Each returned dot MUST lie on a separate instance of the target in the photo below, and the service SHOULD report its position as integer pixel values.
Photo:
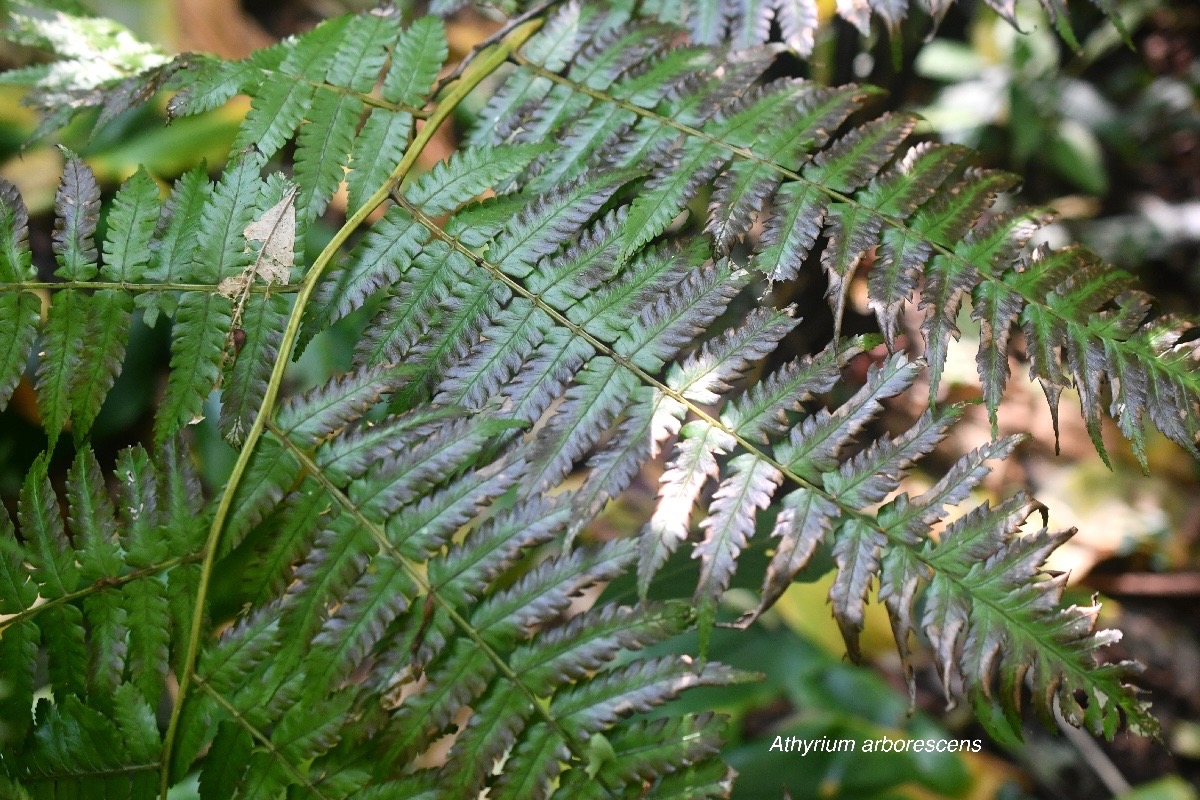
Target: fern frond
(929, 216)
(398, 563)
(372, 615)
(98, 605)
(19, 312)
(889, 545)
(747, 23)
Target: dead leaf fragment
(276, 229)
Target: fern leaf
(213, 82)
(416, 58)
(92, 520)
(694, 463)
(814, 445)
(797, 22)
(388, 251)
(742, 190)
(330, 407)
(663, 329)
(996, 308)
(471, 304)
(789, 236)
(390, 577)
(875, 473)
(204, 320)
(495, 546)
(570, 652)
(904, 188)
(275, 113)
(77, 210)
(467, 174)
(375, 151)
(323, 150)
(593, 708)
(394, 241)
(278, 107)
(609, 54)
(554, 45)
(546, 590)
(856, 553)
(665, 195)
(202, 325)
(221, 774)
(508, 343)
(748, 22)
(19, 645)
(263, 319)
(761, 411)
(227, 213)
(644, 750)
(54, 568)
(18, 658)
(18, 312)
(730, 522)
(149, 636)
(804, 521)
(350, 62)
(127, 253)
(900, 577)
(131, 222)
(602, 387)
(108, 621)
(104, 351)
(73, 733)
(175, 241)
(707, 374)
(239, 651)
(954, 611)
(66, 348)
(546, 225)
(635, 688)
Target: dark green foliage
(403, 547)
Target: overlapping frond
(980, 579)
(211, 255)
(387, 588)
(798, 24)
(95, 595)
(918, 218)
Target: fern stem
(98, 586)
(536, 11)
(368, 99)
(485, 65)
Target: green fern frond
(398, 558)
(114, 584)
(930, 216)
(19, 313)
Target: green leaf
(199, 336)
(416, 58)
(19, 316)
(77, 209)
(130, 226)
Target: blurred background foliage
(1107, 135)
